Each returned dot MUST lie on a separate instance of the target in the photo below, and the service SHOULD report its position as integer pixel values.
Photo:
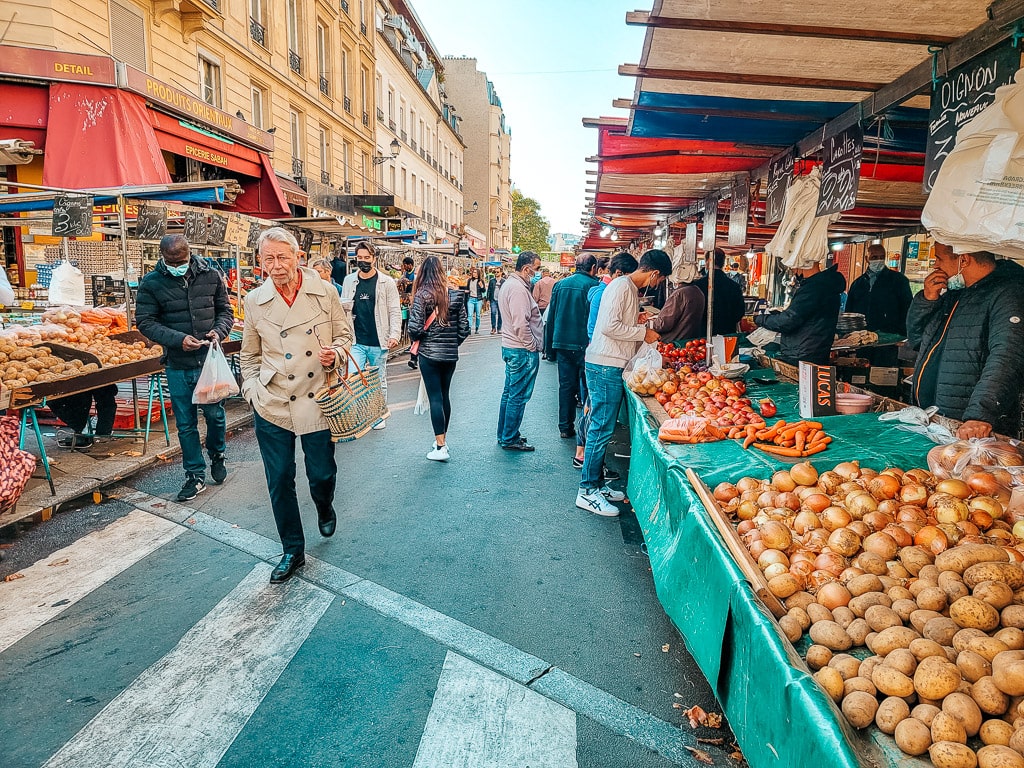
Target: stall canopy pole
(710, 259)
(124, 259)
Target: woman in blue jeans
(476, 290)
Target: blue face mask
(180, 270)
(956, 282)
(876, 266)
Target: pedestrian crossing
(494, 706)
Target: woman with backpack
(438, 324)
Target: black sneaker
(565, 434)
(192, 488)
(217, 469)
(522, 445)
(611, 474)
(78, 441)
(578, 463)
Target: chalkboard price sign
(218, 228)
(739, 210)
(840, 171)
(151, 222)
(959, 97)
(72, 216)
(195, 227)
(254, 236)
(780, 173)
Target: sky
(552, 62)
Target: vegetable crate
(125, 418)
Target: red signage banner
(567, 260)
(55, 65)
(167, 97)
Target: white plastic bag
(422, 401)
(216, 381)
(644, 374)
(801, 240)
(977, 201)
(67, 285)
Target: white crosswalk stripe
(46, 589)
(187, 709)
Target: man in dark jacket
(680, 317)
(882, 295)
(180, 303)
(566, 333)
(728, 299)
(967, 325)
(808, 324)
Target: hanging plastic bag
(976, 202)
(216, 381)
(422, 401)
(67, 285)
(644, 374)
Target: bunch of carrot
(796, 440)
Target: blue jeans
(181, 382)
(377, 357)
(474, 312)
(495, 315)
(605, 386)
(521, 368)
(277, 449)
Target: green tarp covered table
(778, 713)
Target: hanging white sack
(801, 240)
(977, 202)
(67, 285)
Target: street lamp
(474, 209)
(395, 149)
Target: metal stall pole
(710, 259)
(123, 227)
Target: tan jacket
(281, 369)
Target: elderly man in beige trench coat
(295, 333)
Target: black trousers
(73, 410)
(277, 447)
(437, 379)
(572, 384)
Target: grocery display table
(779, 714)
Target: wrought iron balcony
(325, 177)
(391, 124)
(380, 114)
(344, 5)
(257, 32)
(215, 4)
(295, 62)
(348, 187)
(297, 168)
(325, 86)
(348, 105)
(423, 152)
(405, 136)
(366, 118)
(413, 145)
(362, 27)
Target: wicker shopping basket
(352, 403)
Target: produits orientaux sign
(959, 97)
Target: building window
(295, 126)
(257, 24)
(391, 106)
(209, 82)
(259, 107)
(128, 34)
(344, 80)
(405, 185)
(323, 49)
(346, 161)
(364, 78)
(294, 47)
(391, 173)
(325, 155)
(366, 171)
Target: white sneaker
(611, 494)
(439, 453)
(596, 502)
(382, 424)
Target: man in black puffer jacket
(970, 341)
(182, 301)
(808, 325)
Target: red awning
(23, 112)
(99, 137)
(263, 197)
(293, 193)
(179, 139)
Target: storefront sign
(840, 171)
(780, 173)
(567, 260)
(708, 234)
(959, 97)
(739, 210)
(150, 222)
(55, 65)
(181, 103)
(72, 216)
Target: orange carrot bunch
(796, 440)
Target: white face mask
(876, 266)
(957, 282)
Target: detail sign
(959, 97)
(840, 171)
(780, 173)
(739, 210)
(56, 65)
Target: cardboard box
(817, 390)
(884, 377)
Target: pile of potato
(921, 573)
(34, 365)
(114, 352)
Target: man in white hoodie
(618, 333)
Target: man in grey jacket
(522, 337)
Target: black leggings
(437, 378)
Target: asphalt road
(464, 614)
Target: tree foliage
(530, 229)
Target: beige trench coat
(280, 363)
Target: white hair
(278, 235)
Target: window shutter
(128, 34)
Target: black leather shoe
(521, 446)
(327, 524)
(286, 568)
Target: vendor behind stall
(680, 318)
(808, 324)
(728, 300)
(967, 324)
(882, 295)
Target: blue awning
(210, 195)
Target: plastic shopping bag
(977, 200)
(216, 381)
(422, 401)
(67, 285)
(644, 373)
